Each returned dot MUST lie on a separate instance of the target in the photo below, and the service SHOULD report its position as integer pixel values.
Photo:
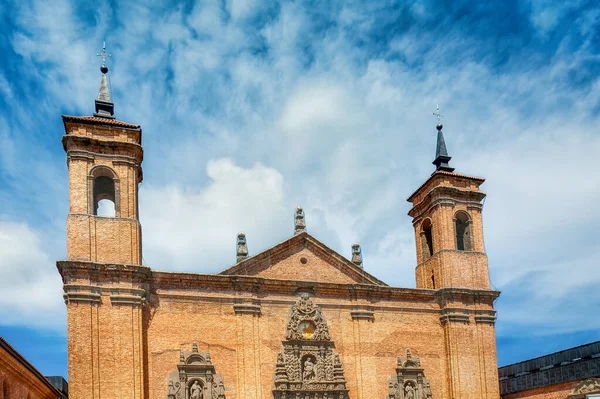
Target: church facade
(296, 321)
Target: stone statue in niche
(308, 366)
(196, 391)
(309, 370)
(409, 391)
(195, 377)
(409, 381)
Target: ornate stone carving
(585, 387)
(308, 366)
(195, 377)
(409, 381)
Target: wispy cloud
(250, 108)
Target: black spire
(441, 153)
(104, 107)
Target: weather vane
(103, 55)
(439, 115)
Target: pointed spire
(104, 107)
(242, 248)
(441, 153)
(357, 255)
(300, 224)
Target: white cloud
(195, 230)
(286, 115)
(30, 285)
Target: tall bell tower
(448, 226)
(451, 259)
(104, 156)
(104, 281)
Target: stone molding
(455, 315)
(447, 196)
(82, 293)
(362, 314)
(90, 156)
(485, 316)
(69, 140)
(251, 307)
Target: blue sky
(250, 108)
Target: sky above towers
(250, 108)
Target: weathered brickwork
(128, 325)
(19, 379)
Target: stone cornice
(447, 196)
(440, 174)
(70, 270)
(466, 295)
(247, 293)
(77, 143)
(90, 156)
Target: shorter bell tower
(448, 226)
(104, 156)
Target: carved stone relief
(585, 387)
(409, 381)
(308, 367)
(195, 377)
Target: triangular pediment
(303, 258)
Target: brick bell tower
(104, 281)
(451, 259)
(104, 156)
(448, 227)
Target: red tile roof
(99, 121)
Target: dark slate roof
(61, 384)
(13, 352)
(572, 364)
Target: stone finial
(242, 248)
(181, 357)
(357, 255)
(408, 353)
(300, 224)
(441, 153)
(194, 347)
(104, 107)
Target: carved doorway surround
(587, 387)
(409, 381)
(308, 367)
(195, 377)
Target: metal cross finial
(103, 54)
(438, 114)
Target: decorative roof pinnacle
(441, 153)
(300, 222)
(104, 107)
(357, 255)
(242, 247)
